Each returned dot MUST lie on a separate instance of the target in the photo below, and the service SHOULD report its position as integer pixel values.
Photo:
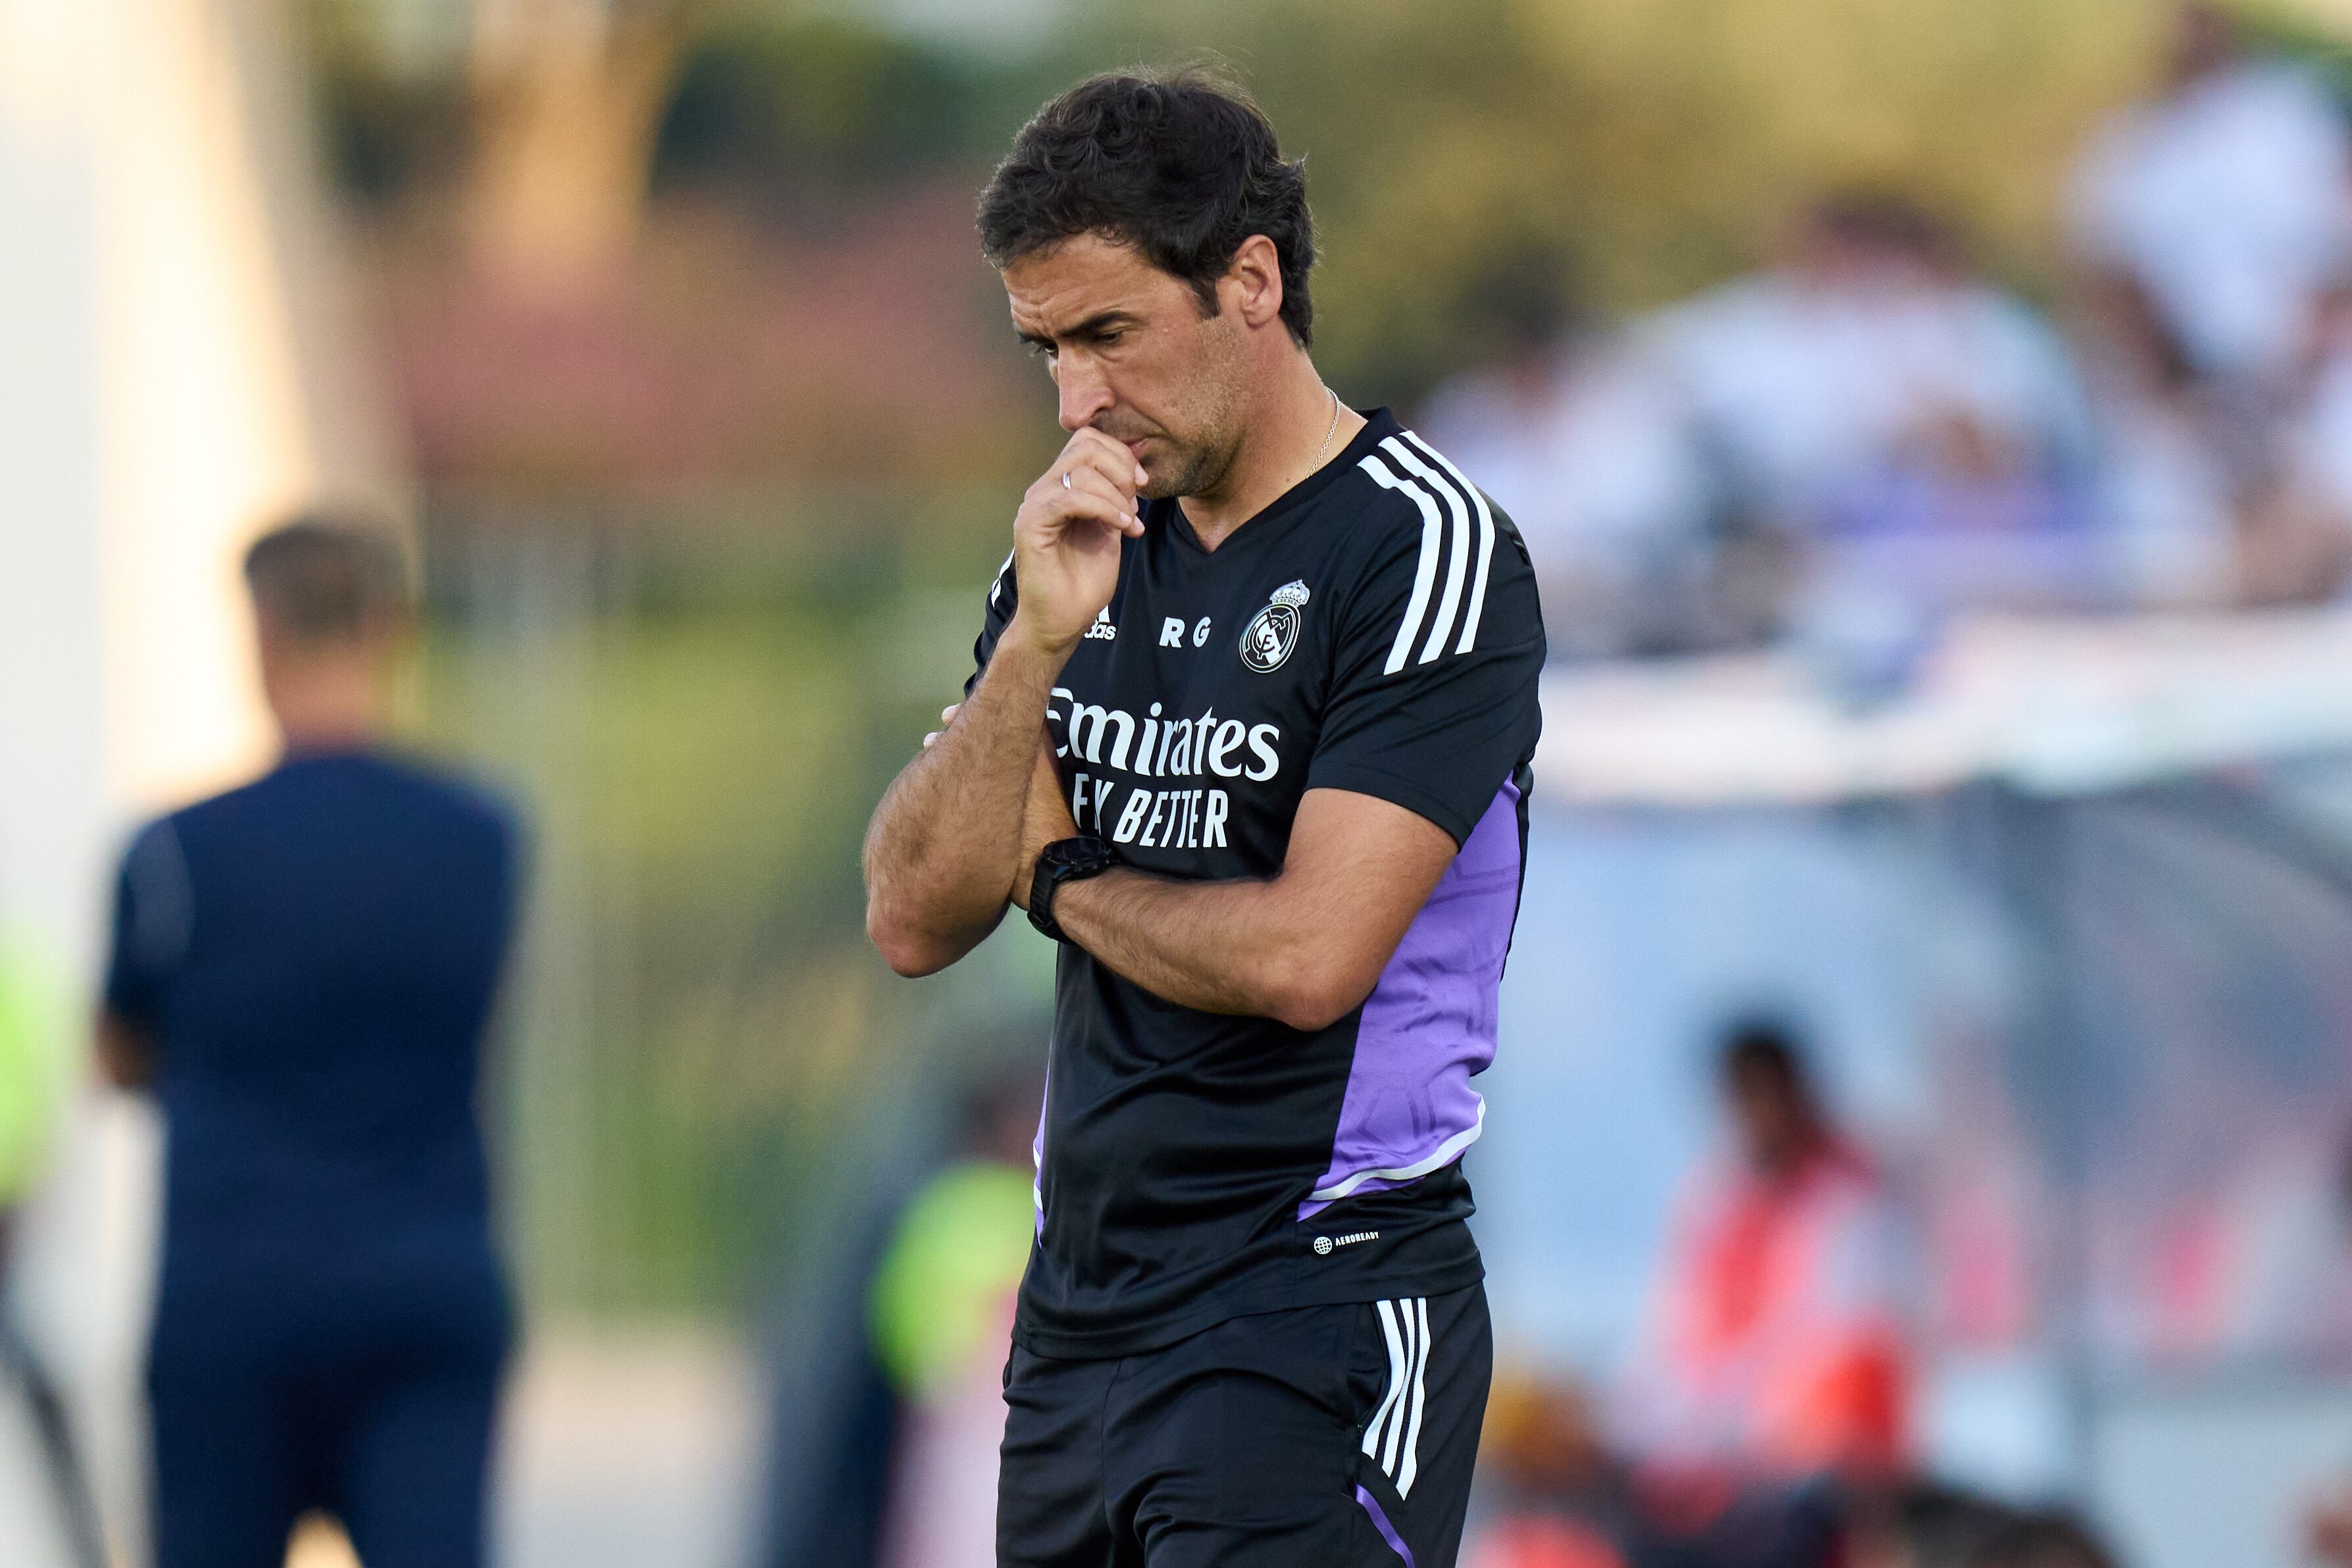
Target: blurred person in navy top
(302, 971)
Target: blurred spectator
(34, 1070)
(1984, 1205)
(886, 1451)
(2297, 540)
(2239, 1258)
(2215, 228)
(1781, 1355)
(941, 1320)
(1932, 1526)
(1576, 436)
(1914, 433)
(2225, 204)
(302, 971)
(1776, 1396)
(1556, 1493)
(2327, 1529)
(1559, 1500)
(1869, 334)
(1975, 497)
(836, 1419)
(2168, 482)
(2038, 1540)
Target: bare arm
(126, 1051)
(944, 846)
(1303, 947)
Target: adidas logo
(1102, 630)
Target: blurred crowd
(1870, 435)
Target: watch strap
(1064, 860)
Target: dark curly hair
(1183, 166)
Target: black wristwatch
(1065, 860)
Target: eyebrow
(1099, 323)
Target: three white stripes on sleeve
(1424, 486)
(1392, 1436)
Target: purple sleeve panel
(1429, 1025)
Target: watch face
(1077, 853)
(1059, 862)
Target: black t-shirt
(315, 956)
(1374, 630)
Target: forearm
(943, 846)
(1247, 947)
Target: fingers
(1093, 463)
(1090, 498)
(1088, 483)
(1106, 455)
(1095, 479)
(947, 716)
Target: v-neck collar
(1379, 425)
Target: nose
(1085, 391)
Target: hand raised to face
(1067, 540)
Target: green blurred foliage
(824, 107)
(390, 124)
(1662, 144)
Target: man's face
(1769, 1118)
(372, 653)
(1133, 356)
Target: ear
(1253, 284)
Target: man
(1250, 738)
(940, 1318)
(36, 1063)
(1781, 1358)
(302, 970)
(2040, 1538)
(36, 1067)
(1577, 429)
(2223, 208)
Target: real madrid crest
(1273, 632)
